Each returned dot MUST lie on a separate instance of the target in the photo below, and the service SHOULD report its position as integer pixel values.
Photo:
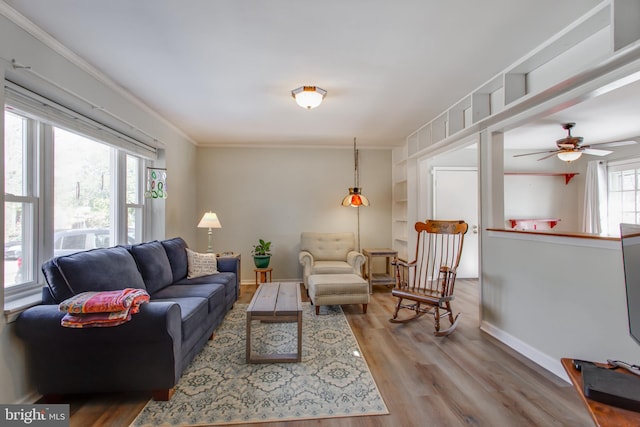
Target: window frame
(623, 166)
(38, 170)
(140, 231)
(31, 163)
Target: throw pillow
(200, 264)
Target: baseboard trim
(544, 360)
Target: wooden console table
(602, 414)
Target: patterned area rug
(220, 388)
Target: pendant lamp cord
(355, 179)
(355, 163)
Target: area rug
(220, 388)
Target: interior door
(455, 193)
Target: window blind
(30, 103)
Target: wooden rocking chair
(428, 281)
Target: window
(20, 203)
(83, 190)
(623, 198)
(88, 208)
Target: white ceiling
(222, 71)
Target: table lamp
(209, 220)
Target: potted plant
(261, 254)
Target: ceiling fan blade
(550, 155)
(594, 152)
(612, 143)
(537, 152)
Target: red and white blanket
(99, 309)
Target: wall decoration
(156, 183)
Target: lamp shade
(355, 199)
(569, 156)
(209, 220)
(308, 96)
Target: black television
(630, 239)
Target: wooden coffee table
(276, 303)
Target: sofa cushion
(153, 264)
(213, 292)
(331, 267)
(176, 252)
(104, 269)
(228, 280)
(194, 312)
(200, 264)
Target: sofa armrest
(231, 265)
(142, 354)
(306, 260)
(158, 320)
(228, 264)
(356, 260)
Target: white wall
(276, 193)
(543, 197)
(554, 297)
(47, 66)
(533, 196)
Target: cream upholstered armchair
(329, 253)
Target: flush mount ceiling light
(308, 96)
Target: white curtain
(595, 198)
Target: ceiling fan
(570, 148)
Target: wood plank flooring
(465, 379)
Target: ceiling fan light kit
(569, 156)
(570, 148)
(308, 97)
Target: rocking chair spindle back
(428, 282)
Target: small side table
(263, 275)
(386, 278)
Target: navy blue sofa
(149, 352)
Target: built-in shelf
(533, 223)
(399, 190)
(567, 176)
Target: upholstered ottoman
(337, 289)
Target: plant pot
(261, 261)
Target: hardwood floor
(467, 378)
